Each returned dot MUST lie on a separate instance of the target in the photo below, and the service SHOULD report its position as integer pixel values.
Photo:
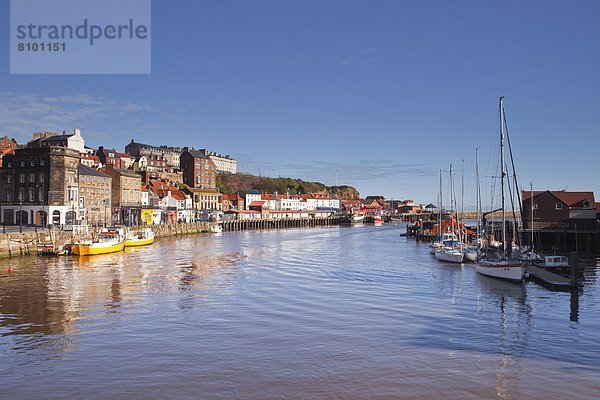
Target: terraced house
(95, 191)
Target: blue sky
(380, 94)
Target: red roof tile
(571, 199)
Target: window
(41, 194)
(559, 206)
(9, 164)
(8, 196)
(30, 194)
(32, 177)
(41, 177)
(535, 206)
(8, 178)
(32, 163)
(22, 163)
(21, 194)
(42, 163)
(586, 204)
(21, 178)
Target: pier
(240, 225)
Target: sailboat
(472, 251)
(451, 253)
(498, 262)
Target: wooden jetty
(547, 278)
(555, 281)
(239, 225)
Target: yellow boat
(108, 241)
(144, 238)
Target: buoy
(11, 269)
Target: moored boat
(500, 262)
(450, 254)
(377, 220)
(357, 218)
(217, 228)
(504, 269)
(144, 238)
(107, 241)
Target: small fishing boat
(144, 238)
(109, 240)
(377, 220)
(217, 228)
(357, 218)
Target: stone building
(171, 154)
(198, 169)
(39, 185)
(49, 139)
(95, 190)
(126, 196)
(205, 200)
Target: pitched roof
(257, 204)
(85, 170)
(571, 199)
(197, 154)
(128, 172)
(177, 194)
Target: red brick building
(7, 146)
(198, 169)
(564, 220)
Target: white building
(292, 203)
(223, 163)
(249, 196)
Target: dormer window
(559, 206)
(586, 204)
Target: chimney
(77, 132)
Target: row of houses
(56, 180)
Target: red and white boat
(377, 220)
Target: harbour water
(333, 312)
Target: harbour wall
(23, 244)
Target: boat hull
(453, 257)
(510, 271)
(134, 242)
(79, 249)
(470, 256)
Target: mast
(462, 199)
(452, 200)
(531, 197)
(478, 195)
(441, 212)
(502, 172)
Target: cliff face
(230, 184)
(344, 192)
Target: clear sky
(379, 95)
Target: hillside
(229, 184)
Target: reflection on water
(320, 313)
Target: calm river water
(347, 313)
